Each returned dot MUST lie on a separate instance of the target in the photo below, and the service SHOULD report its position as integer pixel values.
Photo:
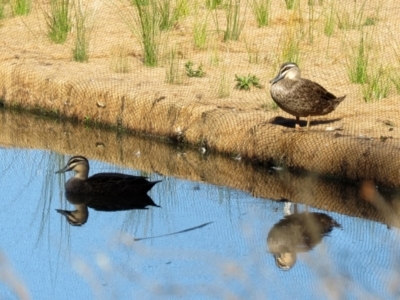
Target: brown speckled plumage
(301, 97)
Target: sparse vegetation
(253, 52)
(351, 18)
(377, 86)
(358, 63)
(329, 26)
(271, 105)
(261, 10)
(291, 47)
(290, 4)
(2, 7)
(120, 60)
(200, 26)
(58, 20)
(213, 4)
(170, 12)
(192, 72)
(223, 89)
(235, 19)
(246, 82)
(173, 71)
(21, 7)
(147, 28)
(396, 82)
(80, 52)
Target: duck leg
(308, 122)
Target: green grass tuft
(200, 32)
(213, 4)
(58, 20)
(291, 4)
(358, 63)
(21, 7)
(235, 20)
(377, 87)
(262, 11)
(148, 24)
(329, 25)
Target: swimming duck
(104, 184)
(301, 97)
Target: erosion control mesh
(189, 94)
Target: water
(226, 259)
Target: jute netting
(349, 47)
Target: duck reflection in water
(299, 232)
(102, 191)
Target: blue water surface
(43, 257)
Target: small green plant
(191, 72)
(234, 20)
(140, 2)
(314, 2)
(396, 82)
(253, 52)
(170, 12)
(173, 73)
(81, 47)
(269, 106)
(215, 59)
(290, 4)
(370, 21)
(291, 48)
(311, 21)
(351, 18)
(120, 61)
(223, 89)
(2, 7)
(148, 27)
(58, 20)
(200, 32)
(21, 7)
(167, 17)
(213, 4)
(329, 23)
(87, 120)
(377, 87)
(358, 63)
(246, 82)
(261, 10)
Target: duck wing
(119, 184)
(316, 100)
(315, 90)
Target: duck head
(79, 164)
(289, 70)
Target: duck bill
(65, 213)
(63, 170)
(276, 79)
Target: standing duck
(301, 97)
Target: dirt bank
(26, 131)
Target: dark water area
(205, 241)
